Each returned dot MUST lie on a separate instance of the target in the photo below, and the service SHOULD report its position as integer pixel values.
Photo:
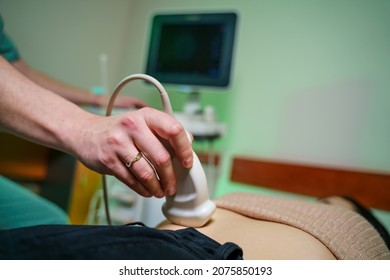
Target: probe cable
(166, 107)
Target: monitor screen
(192, 49)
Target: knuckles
(108, 161)
(147, 176)
(175, 128)
(163, 160)
(130, 122)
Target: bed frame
(370, 188)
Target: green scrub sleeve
(7, 48)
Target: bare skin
(104, 144)
(74, 94)
(261, 239)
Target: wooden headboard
(371, 189)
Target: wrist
(96, 100)
(98, 96)
(76, 137)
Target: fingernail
(160, 194)
(188, 162)
(171, 192)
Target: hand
(122, 101)
(104, 144)
(111, 142)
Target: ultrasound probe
(190, 206)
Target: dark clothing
(136, 242)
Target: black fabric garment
(61, 242)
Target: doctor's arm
(74, 94)
(103, 144)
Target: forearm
(36, 113)
(74, 94)
(104, 144)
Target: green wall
(310, 79)
(66, 37)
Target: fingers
(147, 141)
(128, 178)
(159, 158)
(137, 172)
(170, 129)
(129, 102)
(138, 103)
